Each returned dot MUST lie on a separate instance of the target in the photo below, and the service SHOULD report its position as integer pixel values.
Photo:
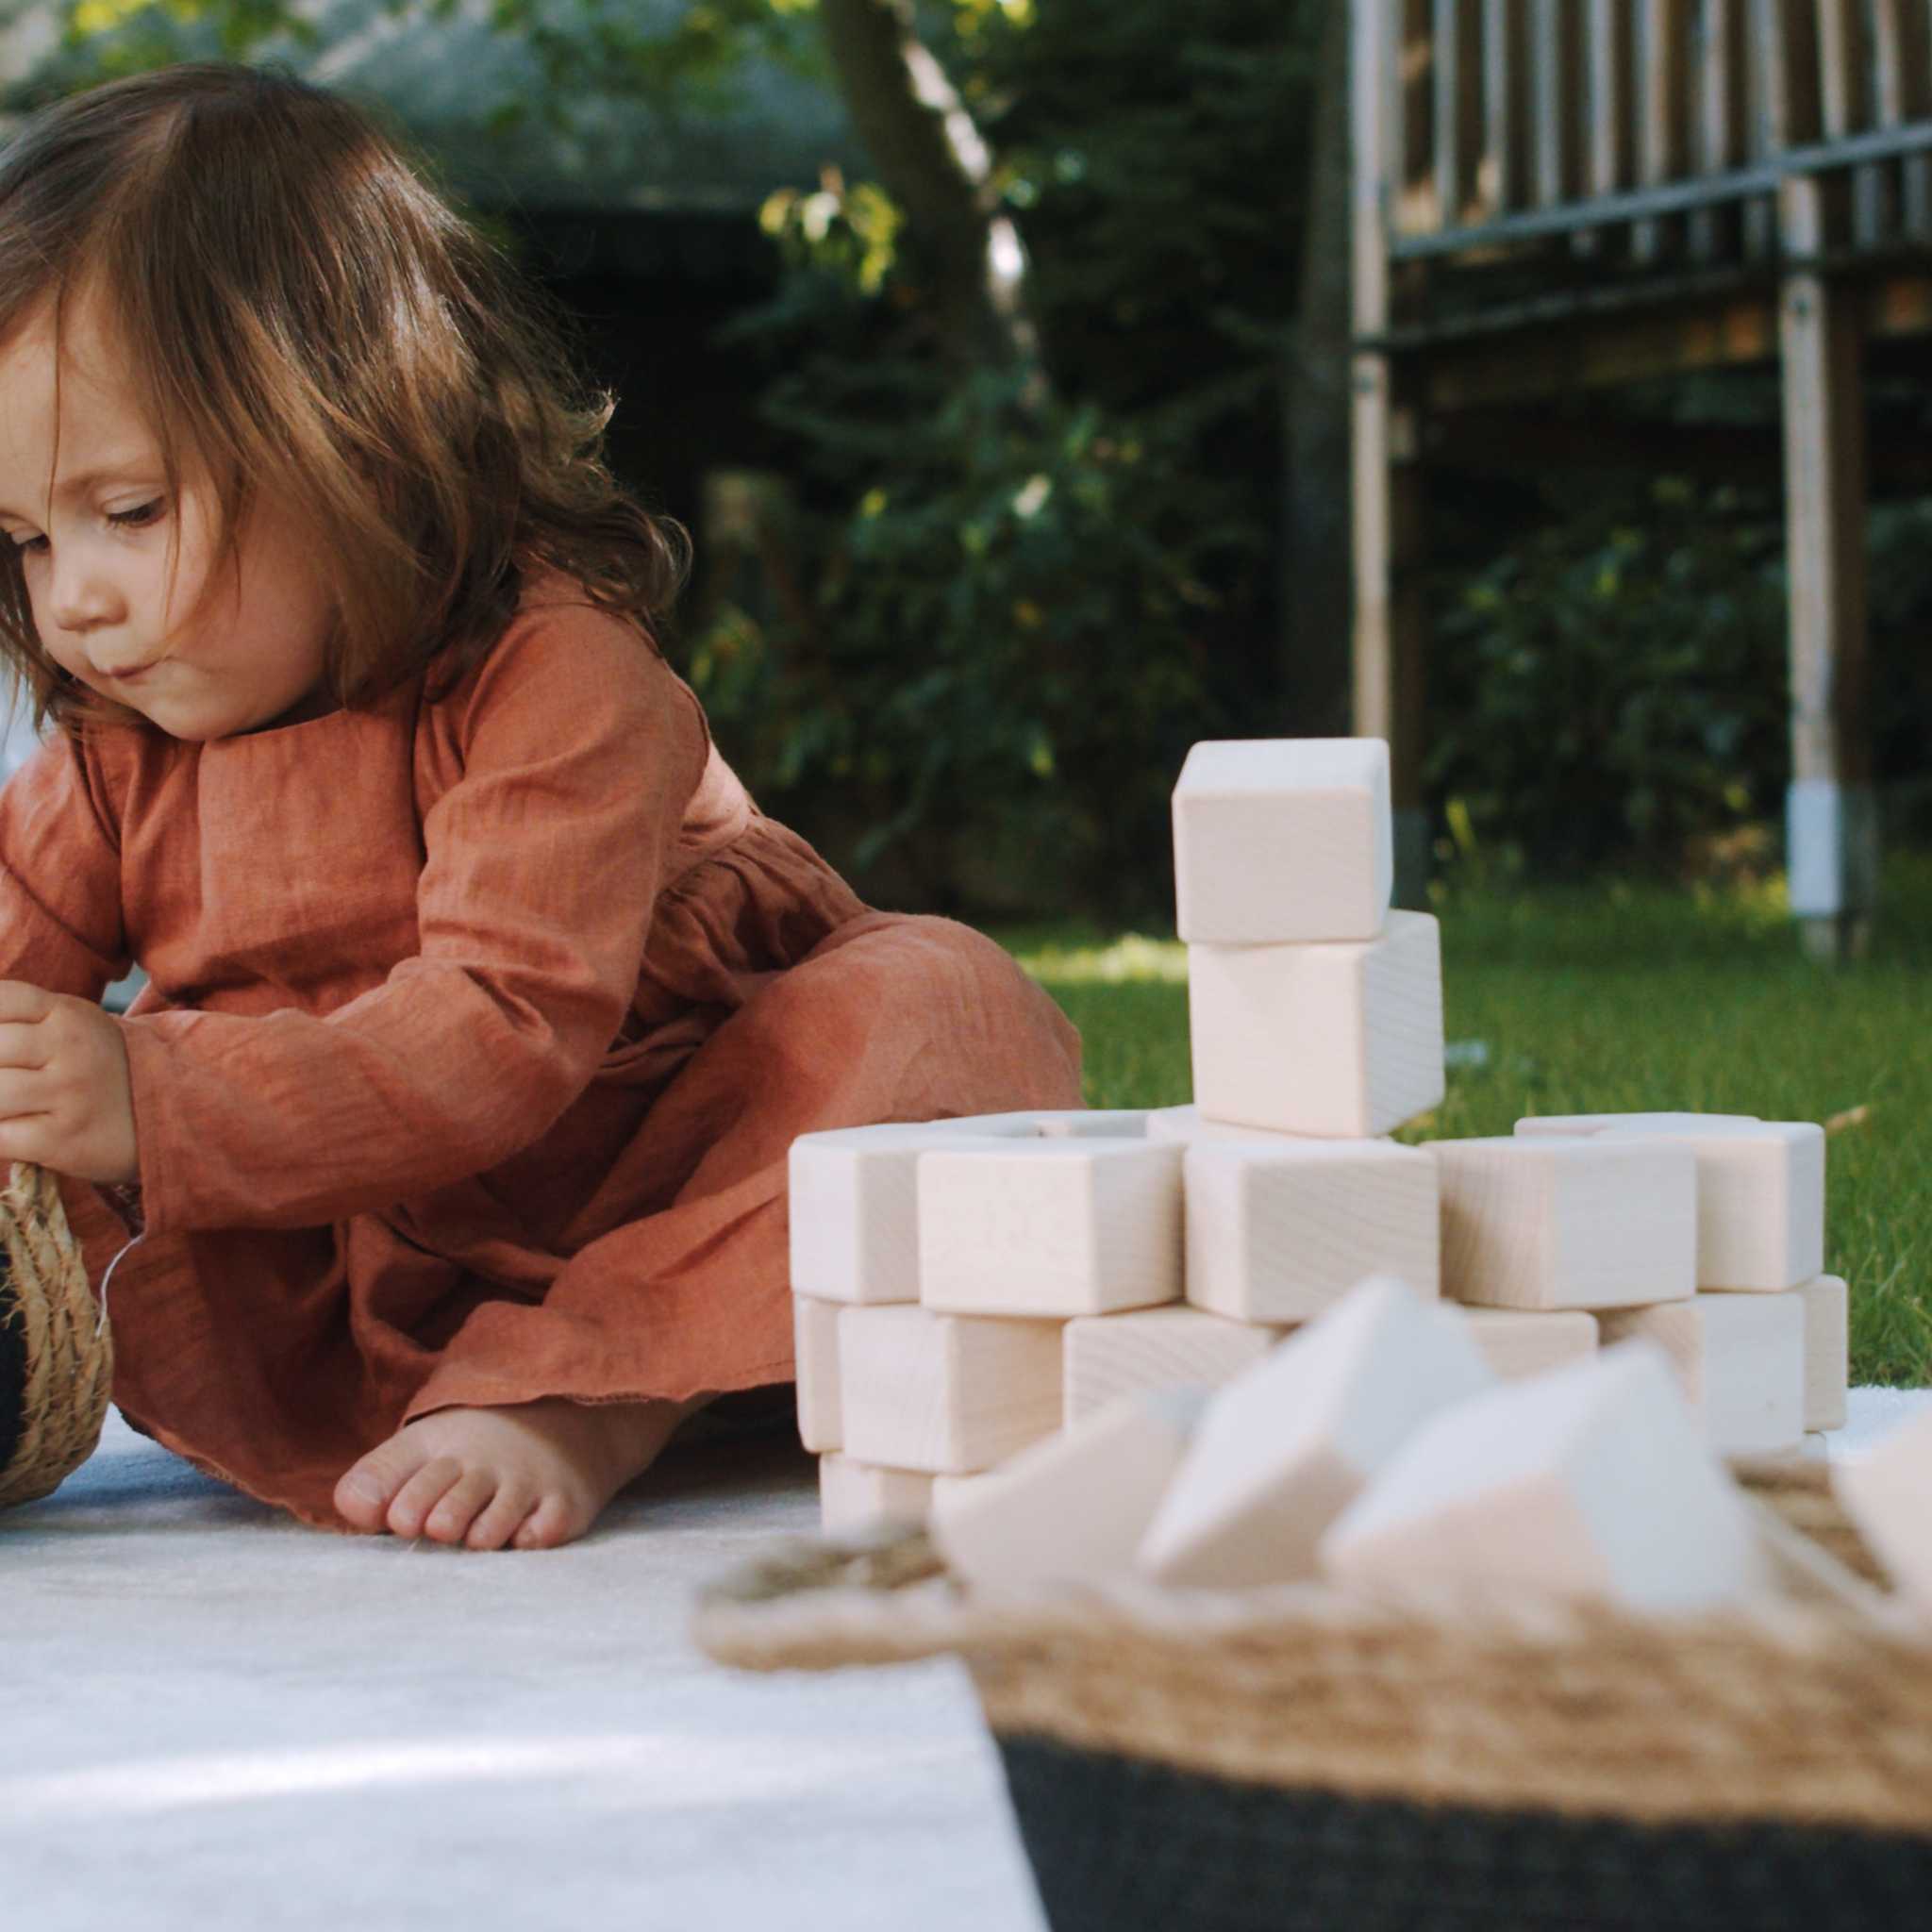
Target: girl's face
(94, 556)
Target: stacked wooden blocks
(967, 1288)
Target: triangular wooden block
(1887, 1494)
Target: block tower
(965, 1288)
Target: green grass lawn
(1613, 998)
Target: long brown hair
(301, 312)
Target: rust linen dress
(476, 1036)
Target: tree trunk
(1316, 588)
(934, 163)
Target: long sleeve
(542, 861)
(60, 924)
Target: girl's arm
(579, 752)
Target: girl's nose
(81, 598)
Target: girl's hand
(66, 1102)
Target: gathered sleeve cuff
(580, 750)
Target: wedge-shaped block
(1094, 1122)
(948, 1394)
(1602, 1123)
(1079, 1225)
(1760, 1191)
(860, 1495)
(1277, 1233)
(854, 1204)
(1738, 1358)
(1516, 1343)
(815, 1337)
(1595, 1221)
(1334, 1040)
(1279, 839)
(1887, 1494)
(1071, 1509)
(1589, 1481)
(1108, 1356)
(1185, 1125)
(1827, 1350)
(1287, 1445)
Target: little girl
(484, 1004)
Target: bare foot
(530, 1475)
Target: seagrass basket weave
(1310, 1756)
(57, 1355)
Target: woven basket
(1310, 1756)
(57, 1355)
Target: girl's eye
(128, 519)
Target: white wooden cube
(1887, 1494)
(1740, 1361)
(1760, 1192)
(815, 1336)
(1079, 1225)
(1332, 1040)
(1071, 1509)
(1143, 1350)
(1516, 1343)
(1595, 1221)
(1277, 1233)
(1287, 1445)
(948, 1394)
(1589, 1481)
(1602, 1123)
(852, 1204)
(1279, 839)
(1827, 1349)
(855, 1495)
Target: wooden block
(1279, 839)
(1094, 1122)
(1761, 1200)
(1277, 1233)
(1740, 1361)
(1516, 1343)
(1108, 1356)
(1332, 1040)
(1050, 1227)
(1887, 1494)
(1827, 1350)
(853, 1199)
(1287, 1445)
(1599, 1123)
(1185, 1125)
(815, 1335)
(855, 1495)
(1071, 1509)
(948, 1394)
(1595, 1221)
(1589, 1481)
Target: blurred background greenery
(991, 351)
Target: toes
(422, 1493)
(457, 1509)
(548, 1524)
(370, 1485)
(493, 1529)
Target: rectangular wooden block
(855, 1495)
(1602, 1123)
(1336, 1039)
(1278, 1232)
(1516, 1343)
(1567, 1222)
(1740, 1360)
(1283, 839)
(948, 1394)
(853, 1204)
(815, 1339)
(1827, 1349)
(1077, 1226)
(1109, 1356)
(1761, 1193)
